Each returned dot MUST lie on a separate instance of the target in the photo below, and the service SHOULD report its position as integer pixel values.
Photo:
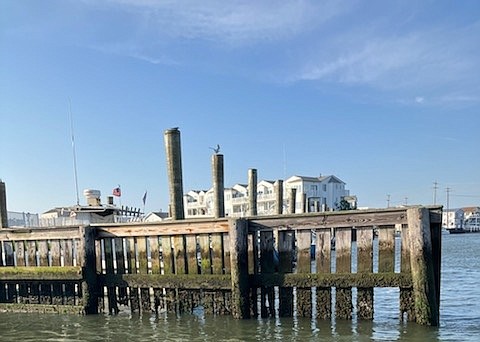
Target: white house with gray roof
(322, 193)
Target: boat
(456, 230)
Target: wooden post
(278, 186)
(174, 167)
(238, 232)
(90, 289)
(252, 192)
(365, 265)
(3, 206)
(292, 198)
(421, 262)
(218, 186)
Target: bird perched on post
(216, 149)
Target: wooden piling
(238, 231)
(252, 192)
(278, 188)
(421, 261)
(218, 186)
(365, 265)
(90, 291)
(292, 200)
(286, 250)
(3, 206)
(174, 168)
(343, 302)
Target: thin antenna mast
(74, 154)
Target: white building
(452, 218)
(322, 193)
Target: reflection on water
(459, 316)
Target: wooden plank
(205, 262)
(119, 256)
(42, 248)
(365, 265)
(68, 252)
(180, 258)
(253, 260)
(386, 249)
(323, 245)
(286, 253)
(40, 234)
(20, 253)
(337, 219)
(192, 259)
(217, 253)
(155, 254)
(107, 243)
(304, 294)
(131, 263)
(31, 251)
(226, 253)
(98, 256)
(224, 281)
(267, 267)
(55, 254)
(405, 254)
(343, 302)
(163, 229)
(323, 250)
(167, 255)
(142, 255)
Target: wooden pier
(281, 265)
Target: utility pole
(448, 206)
(435, 187)
(388, 201)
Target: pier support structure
(252, 192)
(3, 206)
(174, 169)
(218, 186)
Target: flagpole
(73, 150)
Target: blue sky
(383, 94)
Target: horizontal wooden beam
(42, 308)
(57, 233)
(181, 281)
(41, 273)
(306, 280)
(337, 219)
(168, 228)
(223, 282)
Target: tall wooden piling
(174, 169)
(3, 206)
(252, 192)
(90, 290)
(238, 232)
(421, 262)
(218, 186)
(291, 200)
(278, 188)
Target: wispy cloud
(341, 43)
(232, 22)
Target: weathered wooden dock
(248, 267)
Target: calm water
(459, 316)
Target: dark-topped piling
(218, 186)
(174, 169)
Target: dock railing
(248, 267)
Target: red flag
(117, 192)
